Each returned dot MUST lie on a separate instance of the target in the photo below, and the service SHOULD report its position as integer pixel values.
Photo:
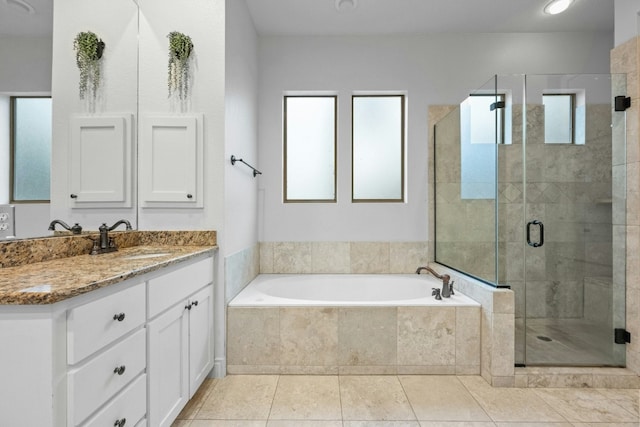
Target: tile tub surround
(47, 277)
(342, 257)
(497, 327)
(353, 340)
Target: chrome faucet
(75, 229)
(447, 288)
(105, 243)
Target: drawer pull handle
(118, 317)
(120, 423)
(74, 196)
(119, 370)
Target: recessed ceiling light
(557, 6)
(346, 4)
(22, 5)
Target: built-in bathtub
(351, 324)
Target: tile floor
(400, 401)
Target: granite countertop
(50, 279)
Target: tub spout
(447, 288)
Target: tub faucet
(447, 288)
(75, 229)
(105, 243)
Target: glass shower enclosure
(530, 195)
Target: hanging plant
(89, 48)
(180, 48)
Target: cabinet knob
(119, 370)
(120, 423)
(195, 303)
(188, 306)
(189, 196)
(74, 196)
(118, 317)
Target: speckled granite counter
(45, 271)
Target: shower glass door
(570, 203)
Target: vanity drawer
(93, 325)
(168, 289)
(103, 376)
(130, 406)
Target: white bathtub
(289, 290)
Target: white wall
(432, 69)
(204, 22)
(25, 64)
(116, 23)
(24, 70)
(241, 129)
(5, 150)
(626, 20)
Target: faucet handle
(451, 288)
(436, 292)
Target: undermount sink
(145, 256)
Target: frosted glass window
(558, 118)
(31, 149)
(310, 148)
(378, 148)
(485, 121)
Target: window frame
(12, 150)
(572, 96)
(403, 132)
(335, 150)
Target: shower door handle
(540, 225)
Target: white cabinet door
(168, 366)
(200, 337)
(101, 161)
(171, 161)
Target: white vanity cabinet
(115, 356)
(180, 339)
(103, 357)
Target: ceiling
(320, 17)
(15, 20)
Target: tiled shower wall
(569, 190)
(625, 59)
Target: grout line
(340, 398)
(415, 416)
(474, 398)
(273, 398)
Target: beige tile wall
(342, 257)
(353, 340)
(625, 59)
(240, 268)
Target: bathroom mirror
(116, 23)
